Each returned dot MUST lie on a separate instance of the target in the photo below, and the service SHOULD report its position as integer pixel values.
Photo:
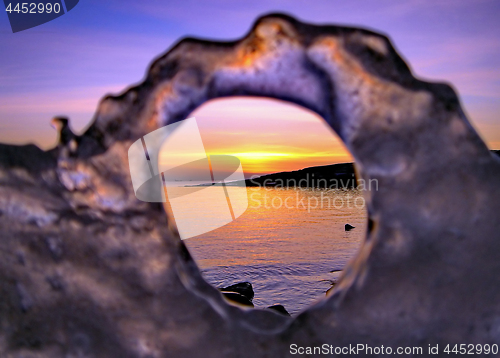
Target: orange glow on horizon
(268, 135)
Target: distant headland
(333, 176)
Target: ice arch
(87, 269)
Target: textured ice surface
(88, 270)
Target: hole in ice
(291, 243)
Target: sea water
(286, 244)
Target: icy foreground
(87, 270)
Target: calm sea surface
(285, 244)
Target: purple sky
(65, 66)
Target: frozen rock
(427, 273)
(243, 288)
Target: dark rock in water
(237, 298)
(280, 309)
(349, 227)
(243, 288)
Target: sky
(66, 66)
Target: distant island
(326, 176)
(337, 176)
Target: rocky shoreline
(242, 294)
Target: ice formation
(86, 269)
